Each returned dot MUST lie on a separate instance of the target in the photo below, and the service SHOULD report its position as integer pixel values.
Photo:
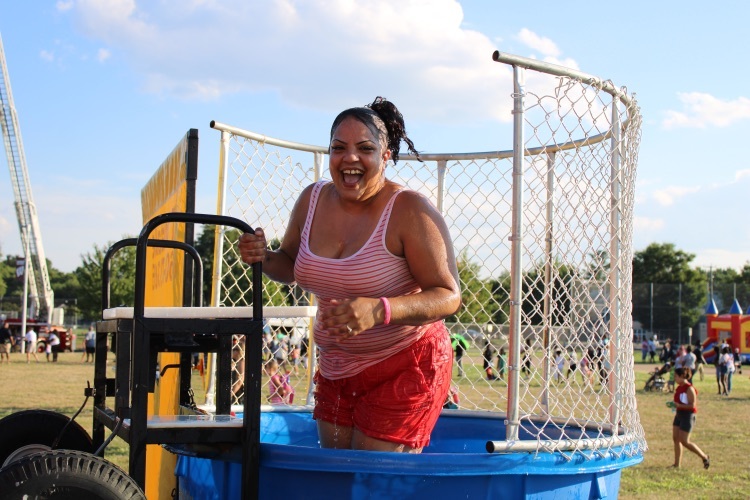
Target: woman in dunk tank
(380, 261)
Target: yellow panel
(165, 192)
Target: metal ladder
(28, 222)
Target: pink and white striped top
(371, 272)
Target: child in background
(278, 385)
(737, 361)
(487, 364)
(288, 389)
(502, 363)
(572, 363)
(586, 372)
(451, 399)
(559, 365)
(670, 383)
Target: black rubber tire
(36, 430)
(66, 474)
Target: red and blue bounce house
(732, 328)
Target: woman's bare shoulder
(303, 201)
(410, 200)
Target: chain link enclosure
(543, 234)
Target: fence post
(511, 432)
(548, 247)
(616, 339)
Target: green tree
(236, 276)
(726, 284)
(476, 294)
(679, 291)
(204, 245)
(745, 273)
(6, 274)
(66, 288)
(533, 290)
(121, 279)
(12, 298)
(500, 288)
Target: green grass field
(721, 431)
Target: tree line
(668, 291)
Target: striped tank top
(372, 271)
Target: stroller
(656, 382)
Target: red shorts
(397, 400)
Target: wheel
(41, 347)
(66, 474)
(31, 431)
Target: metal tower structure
(41, 294)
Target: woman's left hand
(345, 318)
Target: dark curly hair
(384, 121)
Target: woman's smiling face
(357, 160)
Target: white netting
(574, 203)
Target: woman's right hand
(252, 247)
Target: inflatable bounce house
(732, 328)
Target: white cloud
(720, 258)
(669, 195)
(547, 47)
(63, 6)
(102, 226)
(324, 54)
(647, 224)
(102, 55)
(702, 110)
(47, 55)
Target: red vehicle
(42, 330)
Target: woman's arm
(427, 246)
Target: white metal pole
(512, 426)
(218, 256)
(617, 341)
(25, 235)
(549, 239)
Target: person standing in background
(89, 345)
(6, 343)
(699, 360)
(685, 402)
(30, 339)
(53, 346)
(729, 363)
(652, 349)
(737, 360)
(689, 360)
(502, 363)
(489, 360)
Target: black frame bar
(143, 334)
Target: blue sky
(104, 89)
